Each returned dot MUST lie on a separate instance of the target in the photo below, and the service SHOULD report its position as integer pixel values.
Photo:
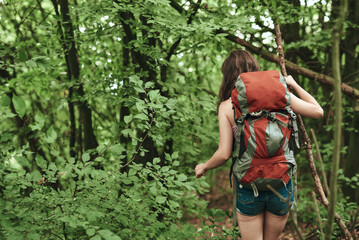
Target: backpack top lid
(262, 90)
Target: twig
(139, 146)
(349, 76)
(325, 181)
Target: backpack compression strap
(294, 126)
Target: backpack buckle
(269, 115)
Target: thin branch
(32, 10)
(325, 181)
(142, 140)
(290, 65)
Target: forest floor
(220, 197)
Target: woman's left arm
(224, 150)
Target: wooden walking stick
(307, 144)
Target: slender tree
(351, 76)
(336, 34)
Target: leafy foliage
(148, 73)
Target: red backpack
(266, 125)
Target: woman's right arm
(224, 150)
(305, 105)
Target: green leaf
(108, 235)
(85, 157)
(127, 119)
(31, 63)
(149, 84)
(33, 236)
(22, 160)
(52, 166)
(36, 176)
(222, 34)
(182, 177)
(40, 161)
(22, 56)
(171, 103)
(136, 80)
(160, 199)
(153, 94)
(19, 105)
(97, 237)
(139, 90)
(100, 148)
(39, 117)
(132, 172)
(117, 149)
(127, 132)
(5, 100)
(175, 155)
(140, 106)
(142, 116)
(39, 122)
(90, 232)
(153, 190)
(156, 160)
(51, 135)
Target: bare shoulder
(226, 109)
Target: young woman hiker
(264, 215)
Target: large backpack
(266, 128)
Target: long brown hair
(238, 61)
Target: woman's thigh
(273, 225)
(251, 227)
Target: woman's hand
(290, 81)
(200, 170)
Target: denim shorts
(250, 205)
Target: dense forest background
(107, 106)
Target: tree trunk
(71, 56)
